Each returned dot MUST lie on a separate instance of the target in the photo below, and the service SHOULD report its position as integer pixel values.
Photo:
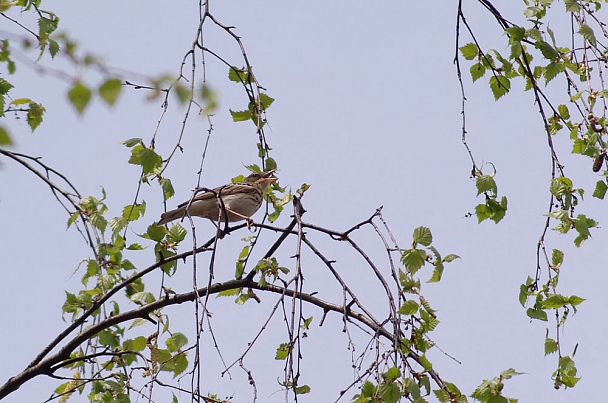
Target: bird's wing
(202, 196)
(222, 190)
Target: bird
(241, 200)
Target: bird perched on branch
(241, 200)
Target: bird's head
(262, 178)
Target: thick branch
(44, 367)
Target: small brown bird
(241, 200)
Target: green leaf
(92, 269)
(509, 373)
(368, 389)
(98, 221)
(537, 314)
(561, 215)
(557, 258)
(582, 225)
(238, 75)
(552, 70)
(574, 300)
(176, 342)
(587, 33)
(563, 112)
(450, 258)
(572, 6)
(142, 297)
(437, 273)
(423, 236)
(282, 351)
(548, 51)
(485, 183)
(491, 210)
(517, 51)
(54, 48)
(442, 395)
(108, 338)
(516, 33)
(266, 101)
(523, 294)
(47, 25)
(482, 212)
(5, 138)
(132, 142)
(413, 389)
(426, 364)
(561, 186)
(409, 308)
(302, 390)
(555, 301)
(184, 93)
(5, 86)
(600, 190)
(177, 364)
(167, 187)
(34, 115)
(413, 259)
(229, 293)
(79, 96)
(155, 232)
(149, 160)
(240, 116)
(477, 71)
(306, 323)
(133, 212)
(469, 51)
(176, 233)
(497, 399)
(73, 218)
(389, 392)
(110, 90)
(500, 86)
(122, 398)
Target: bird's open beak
(267, 176)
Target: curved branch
(45, 367)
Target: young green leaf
(132, 142)
(537, 314)
(486, 183)
(409, 307)
(600, 190)
(547, 50)
(423, 236)
(5, 138)
(240, 116)
(572, 6)
(557, 258)
(34, 115)
(469, 51)
(282, 351)
(500, 86)
(238, 75)
(110, 90)
(176, 342)
(79, 95)
(413, 259)
(587, 32)
(477, 71)
(302, 390)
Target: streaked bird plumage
(241, 200)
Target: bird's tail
(171, 215)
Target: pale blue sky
(367, 110)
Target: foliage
(105, 338)
(537, 56)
